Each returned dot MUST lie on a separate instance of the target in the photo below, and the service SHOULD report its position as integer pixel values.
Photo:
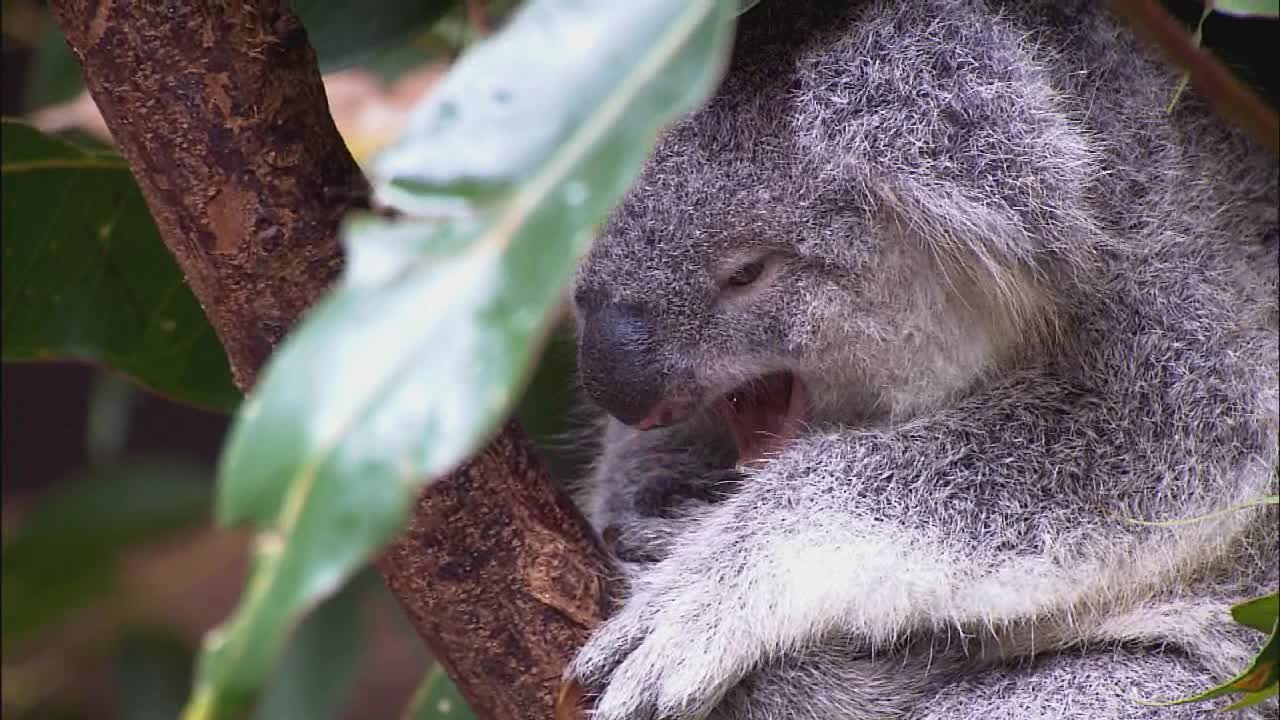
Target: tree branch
(1224, 91)
(219, 110)
(463, 545)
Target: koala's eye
(745, 275)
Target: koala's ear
(979, 153)
(947, 221)
(1001, 236)
(986, 247)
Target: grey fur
(1028, 304)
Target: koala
(907, 343)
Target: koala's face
(725, 284)
(832, 242)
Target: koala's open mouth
(764, 413)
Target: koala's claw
(660, 658)
(609, 647)
(569, 701)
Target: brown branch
(462, 545)
(1230, 97)
(219, 110)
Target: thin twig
(1230, 97)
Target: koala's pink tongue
(763, 414)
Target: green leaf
(316, 674)
(420, 352)
(62, 555)
(1248, 8)
(1260, 680)
(437, 698)
(86, 276)
(1254, 698)
(55, 73)
(346, 33)
(1260, 613)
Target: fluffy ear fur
(990, 168)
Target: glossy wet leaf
(416, 357)
(86, 276)
(437, 698)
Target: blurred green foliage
(62, 557)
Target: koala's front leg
(648, 489)
(839, 679)
(1006, 509)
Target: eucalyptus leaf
(1248, 8)
(437, 698)
(422, 349)
(1254, 698)
(1257, 682)
(1260, 614)
(1260, 680)
(86, 276)
(317, 671)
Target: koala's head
(720, 285)
(809, 248)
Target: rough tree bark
(219, 110)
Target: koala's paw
(647, 541)
(671, 652)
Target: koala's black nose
(616, 360)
